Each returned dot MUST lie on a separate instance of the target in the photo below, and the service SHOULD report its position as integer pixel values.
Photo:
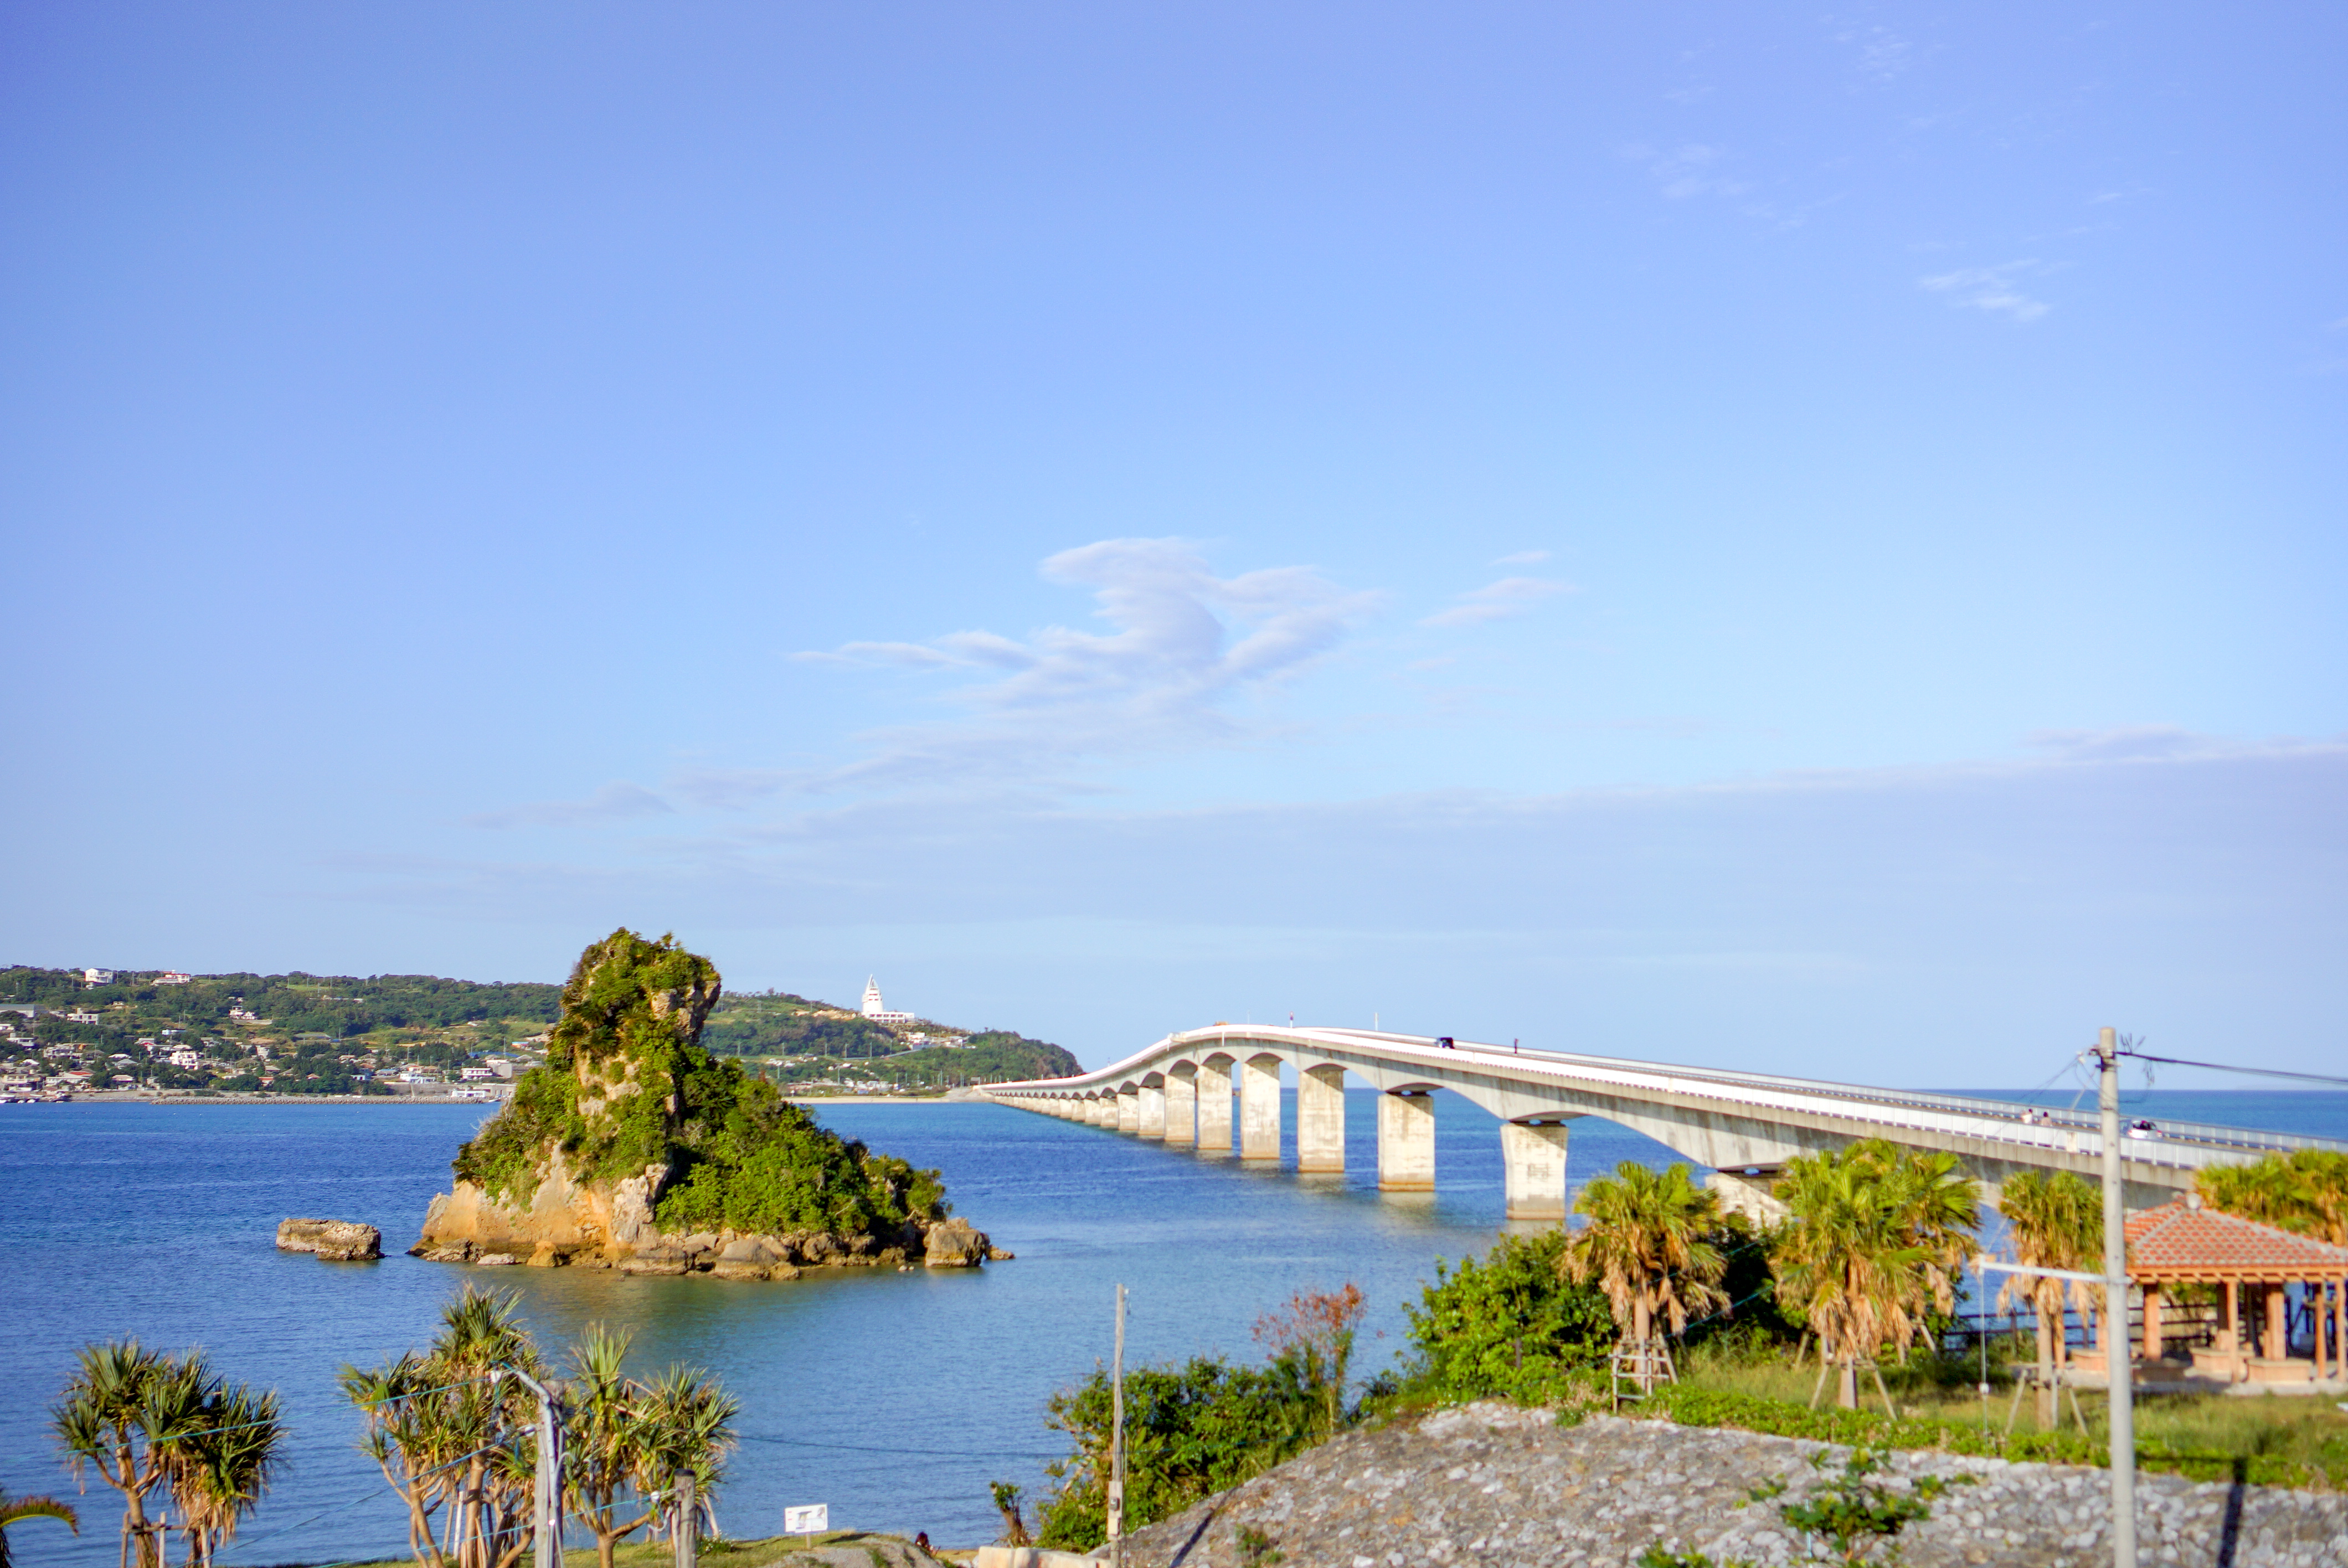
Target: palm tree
(598, 1463)
(1876, 1240)
(1648, 1245)
(12, 1508)
(2306, 1191)
(2057, 1221)
(229, 1468)
(452, 1439)
(684, 1425)
(140, 1419)
(101, 1422)
(168, 1428)
(628, 1442)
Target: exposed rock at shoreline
(1490, 1483)
(633, 1149)
(336, 1241)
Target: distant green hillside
(816, 1040)
(341, 1034)
(297, 1003)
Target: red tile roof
(2182, 1240)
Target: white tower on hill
(877, 1011)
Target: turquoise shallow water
(893, 1398)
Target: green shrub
(1506, 1328)
(1189, 1431)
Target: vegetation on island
(628, 1087)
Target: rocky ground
(1495, 1484)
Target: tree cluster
(456, 1435)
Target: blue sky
(1802, 539)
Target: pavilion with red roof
(2186, 1243)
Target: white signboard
(812, 1519)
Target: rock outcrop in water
(634, 1149)
(336, 1241)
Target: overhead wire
(2253, 1071)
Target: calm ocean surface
(893, 1398)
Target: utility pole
(546, 1536)
(2115, 1311)
(1116, 1442)
(685, 1489)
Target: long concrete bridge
(1743, 1125)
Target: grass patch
(2294, 1442)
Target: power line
(2221, 1067)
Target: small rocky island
(634, 1148)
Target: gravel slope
(1489, 1484)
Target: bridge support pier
(1260, 1108)
(1128, 1111)
(1534, 1155)
(1181, 1110)
(1406, 1141)
(1215, 1107)
(1153, 1111)
(1102, 1109)
(1321, 1118)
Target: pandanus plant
(628, 1442)
(169, 1433)
(458, 1444)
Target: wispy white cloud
(1497, 601)
(1182, 647)
(1990, 289)
(617, 802)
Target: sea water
(893, 1397)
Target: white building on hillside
(875, 1009)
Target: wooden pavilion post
(2276, 1343)
(2234, 1331)
(2152, 1335)
(2327, 1355)
(2340, 1323)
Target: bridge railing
(2086, 1121)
